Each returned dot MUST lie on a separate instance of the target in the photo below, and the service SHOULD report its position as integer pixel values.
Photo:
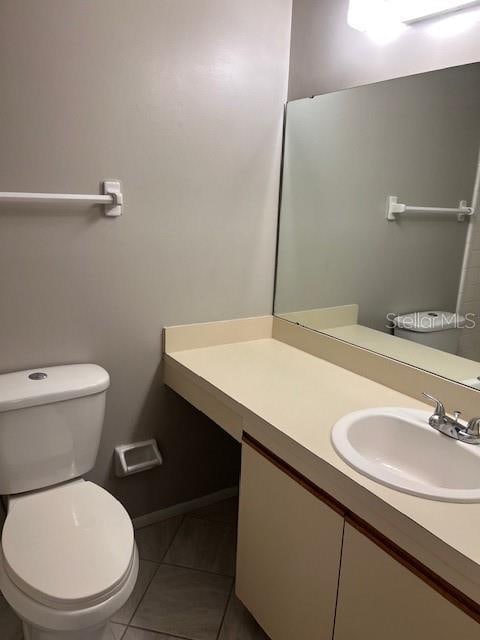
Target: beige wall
(327, 54)
(182, 100)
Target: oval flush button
(38, 375)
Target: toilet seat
(64, 620)
(43, 528)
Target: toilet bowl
(68, 559)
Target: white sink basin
(398, 448)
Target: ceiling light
(455, 24)
(384, 20)
(375, 18)
(411, 11)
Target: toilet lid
(69, 545)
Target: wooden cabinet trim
(436, 582)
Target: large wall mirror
(379, 241)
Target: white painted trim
(184, 507)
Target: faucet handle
(473, 428)
(439, 406)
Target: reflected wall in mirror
(407, 287)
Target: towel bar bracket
(113, 188)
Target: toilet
(436, 329)
(68, 559)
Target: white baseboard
(184, 507)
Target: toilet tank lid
(34, 387)
(428, 321)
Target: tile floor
(185, 584)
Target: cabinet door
(288, 557)
(379, 598)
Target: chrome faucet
(450, 426)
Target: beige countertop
(289, 400)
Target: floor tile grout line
(173, 635)
(143, 593)
(220, 523)
(191, 514)
(157, 561)
(180, 566)
(154, 573)
(161, 633)
(155, 524)
(220, 514)
(211, 573)
(231, 520)
(182, 520)
(222, 622)
(162, 562)
(215, 520)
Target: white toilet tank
(51, 421)
(436, 329)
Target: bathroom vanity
(308, 567)
(324, 551)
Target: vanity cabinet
(379, 598)
(288, 557)
(308, 568)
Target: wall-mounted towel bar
(112, 198)
(394, 208)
